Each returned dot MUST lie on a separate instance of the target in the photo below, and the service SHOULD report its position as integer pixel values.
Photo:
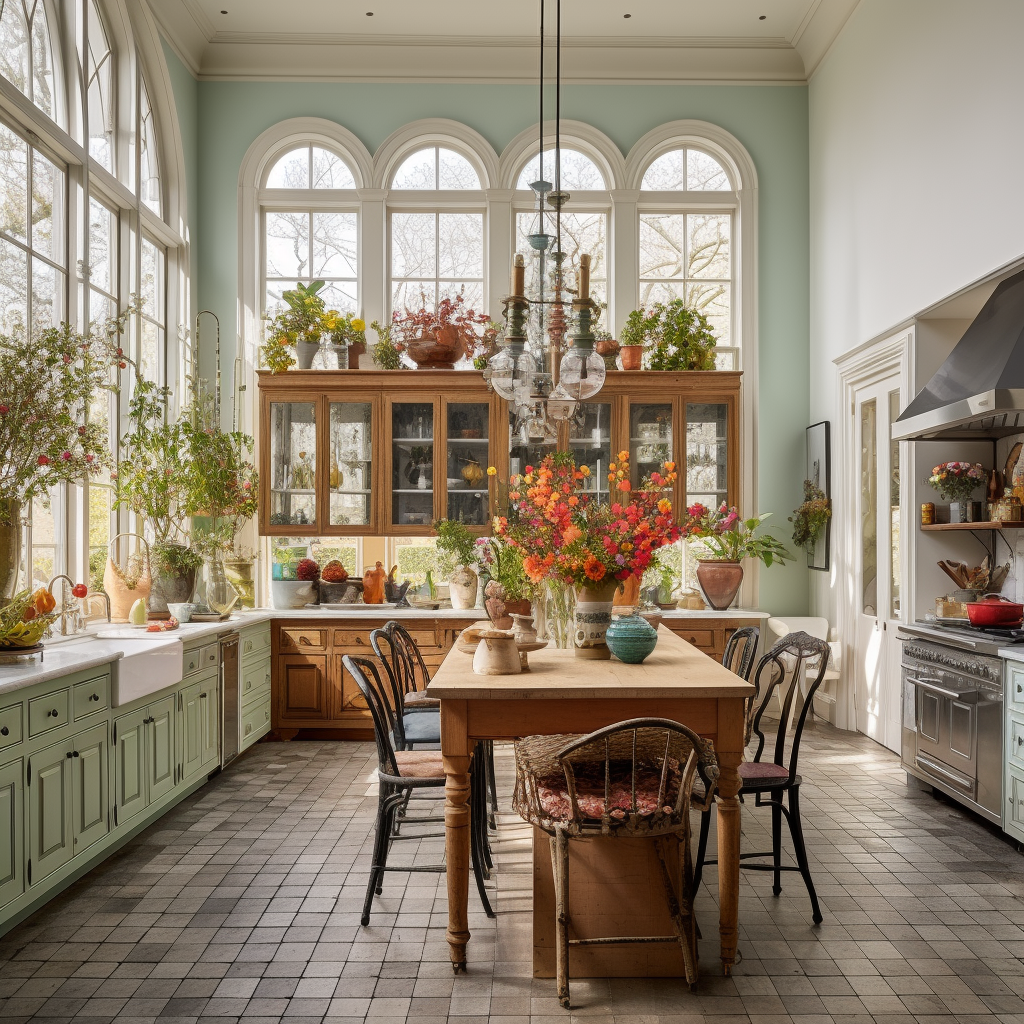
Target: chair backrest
(656, 758)
(740, 653)
(374, 689)
(394, 645)
(784, 668)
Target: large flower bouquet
(565, 534)
(956, 481)
(731, 539)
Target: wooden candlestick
(519, 275)
(584, 278)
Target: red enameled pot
(994, 611)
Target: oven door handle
(941, 691)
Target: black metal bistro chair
(782, 670)
(418, 722)
(632, 780)
(400, 773)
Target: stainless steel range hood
(978, 391)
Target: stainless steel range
(953, 712)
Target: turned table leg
(455, 754)
(728, 862)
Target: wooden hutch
(385, 453)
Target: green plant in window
(388, 351)
(456, 546)
(674, 336)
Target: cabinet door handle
(70, 753)
(202, 696)
(359, 639)
(1020, 740)
(4, 731)
(74, 753)
(52, 713)
(248, 646)
(1020, 689)
(304, 641)
(266, 678)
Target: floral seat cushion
(555, 802)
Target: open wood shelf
(974, 526)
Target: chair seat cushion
(420, 764)
(553, 793)
(420, 727)
(764, 773)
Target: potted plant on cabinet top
(437, 339)
(49, 378)
(346, 335)
(299, 324)
(956, 482)
(730, 540)
(668, 336)
(456, 557)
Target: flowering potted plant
(956, 482)
(299, 324)
(569, 537)
(49, 378)
(436, 339)
(668, 336)
(346, 334)
(507, 591)
(730, 540)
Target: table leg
(728, 861)
(456, 848)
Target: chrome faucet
(89, 597)
(65, 611)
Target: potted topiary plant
(668, 336)
(456, 558)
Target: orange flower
(624, 485)
(664, 505)
(571, 533)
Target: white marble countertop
(57, 661)
(710, 613)
(1012, 653)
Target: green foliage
(416, 562)
(174, 560)
(811, 517)
(386, 352)
(303, 318)
(455, 545)
(674, 336)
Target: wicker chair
(400, 773)
(632, 780)
(785, 668)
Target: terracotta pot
(462, 587)
(720, 581)
(592, 618)
(609, 347)
(355, 350)
(437, 351)
(631, 356)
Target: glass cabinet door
(412, 463)
(707, 454)
(292, 464)
(590, 441)
(522, 450)
(467, 458)
(650, 438)
(350, 476)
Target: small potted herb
(811, 517)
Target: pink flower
(43, 460)
(66, 456)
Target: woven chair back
(793, 668)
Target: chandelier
(537, 371)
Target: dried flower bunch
(956, 481)
(811, 517)
(565, 533)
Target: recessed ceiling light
(762, 18)
(627, 15)
(223, 12)
(369, 14)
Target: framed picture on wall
(819, 477)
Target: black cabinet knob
(94, 696)
(5, 731)
(52, 713)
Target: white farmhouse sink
(145, 666)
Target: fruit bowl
(21, 625)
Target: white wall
(916, 168)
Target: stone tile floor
(244, 901)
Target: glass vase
(214, 589)
(560, 613)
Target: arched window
(686, 247)
(60, 262)
(311, 227)
(436, 241)
(578, 172)
(26, 56)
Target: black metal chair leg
(380, 839)
(797, 831)
(492, 785)
(702, 848)
(777, 844)
(477, 831)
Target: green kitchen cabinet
(191, 730)
(209, 723)
(49, 817)
(130, 795)
(162, 751)
(12, 830)
(90, 790)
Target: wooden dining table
(564, 694)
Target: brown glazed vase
(631, 356)
(720, 581)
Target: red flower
(43, 460)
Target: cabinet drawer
(10, 725)
(48, 713)
(253, 681)
(1015, 689)
(304, 640)
(703, 638)
(91, 696)
(1015, 738)
(200, 659)
(353, 641)
(253, 643)
(255, 721)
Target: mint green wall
(771, 121)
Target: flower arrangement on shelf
(811, 517)
(437, 338)
(673, 335)
(731, 539)
(343, 328)
(956, 481)
(299, 323)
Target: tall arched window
(74, 244)
(435, 230)
(311, 227)
(584, 220)
(686, 246)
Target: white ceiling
(463, 40)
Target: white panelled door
(878, 566)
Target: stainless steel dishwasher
(229, 711)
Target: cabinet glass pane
(707, 453)
(521, 452)
(650, 438)
(412, 463)
(468, 457)
(590, 441)
(349, 480)
(292, 463)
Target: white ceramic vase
(462, 586)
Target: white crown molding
(185, 27)
(820, 29)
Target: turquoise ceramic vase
(631, 638)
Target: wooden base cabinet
(710, 635)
